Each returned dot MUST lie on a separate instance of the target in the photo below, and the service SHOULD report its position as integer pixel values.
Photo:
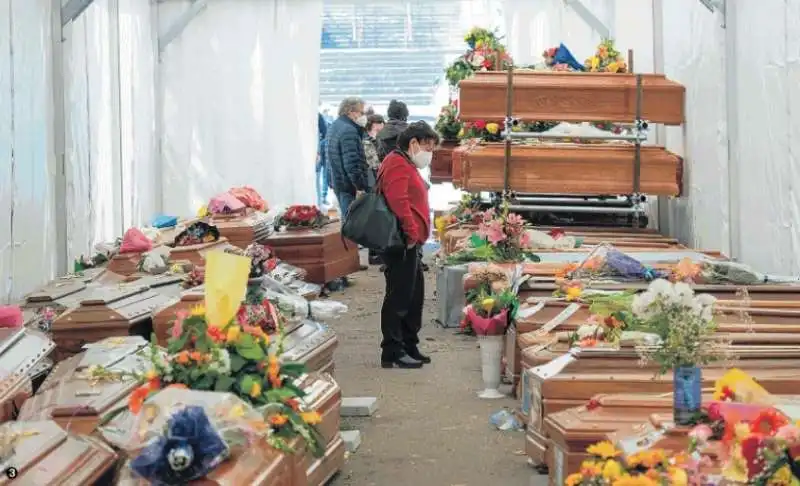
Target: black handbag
(371, 224)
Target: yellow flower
(782, 477)
(487, 304)
(151, 374)
(255, 390)
(595, 62)
(202, 211)
(311, 418)
(634, 481)
(590, 469)
(612, 470)
(233, 334)
(603, 450)
(492, 128)
(612, 67)
(573, 293)
(573, 479)
(460, 133)
(478, 44)
(678, 477)
(237, 411)
(198, 310)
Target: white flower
(684, 294)
(589, 330)
(477, 60)
(223, 362)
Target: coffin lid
(45, 453)
(110, 351)
(319, 388)
(21, 350)
(307, 337)
(113, 306)
(80, 397)
(305, 236)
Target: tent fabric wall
(27, 163)
(240, 104)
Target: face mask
(362, 120)
(422, 159)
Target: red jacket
(406, 194)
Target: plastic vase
(687, 393)
(491, 356)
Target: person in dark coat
(348, 164)
(322, 167)
(397, 113)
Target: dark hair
(419, 130)
(397, 111)
(372, 120)
(369, 111)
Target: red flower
(750, 452)
(727, 395)
(768, 422)
(487, 64)
(593, 404)
(216, 334)
(556, 233)
(480, 124)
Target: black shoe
(415, 354)
(404, 361)
(375, 260)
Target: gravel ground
(430, 428)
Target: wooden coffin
(565, 168)
(165, 315)
(64, 293)
(322, 253)
(442, 162)
(572, 97)
(125, 263)
(22, 351)
(242, 230)
(196, 253)
(324, 396)
(311, 344)
(77, 402)
(110, 311)
(44, 454)
(781, 294)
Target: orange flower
(137, 398)
(278, 420)
(273, 372)
(768, 422)
(196, 356)
(293, 403)
(183, 357)
(216, 334)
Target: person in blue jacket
(346, 159)
(322, 166)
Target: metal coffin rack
(566, 209)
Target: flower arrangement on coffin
(211, 350)
(721, 272)
(479, 129)
(492, 303)
(485, 52)
(606, 59)
(606, 466)
(606, 262)
(262, 259)
(561, 59)
(302, 216)
(500, 238)
(448, 125)
(467, 211)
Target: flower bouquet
(485, 52)
(723, 272)
(447, 125)
(485, 132)
(468, 211)
(606, 59)
(301, 217)
(561, 59)
(500, 238)
(606, 466)
(606, 262)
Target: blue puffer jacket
(346, 159)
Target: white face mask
(362, 120)
(422, 159)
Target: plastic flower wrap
(183, 435)
(608, 263)
(296, 308)
(724, 272)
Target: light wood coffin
(110, 311)
(242, 230)
(565, 168)
(22, 351)
(322, 253)
(313, 345)
(324, 396)
(126, 263)
(780, 294)
(571, 97)
(44, 454)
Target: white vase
(491, 357)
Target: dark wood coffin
(196, 253)
(442, 163)
(242, 230)
(165, 315)
(312, 344)
(564, 168)
(110, 311)
(126, 263)
(322, 253)
(44, 454)
(572, 97)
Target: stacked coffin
(323, 253)
(243, 229)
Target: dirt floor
(430, 428)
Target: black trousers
(401, 314)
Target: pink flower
(701, 433)
(525, 240)
(515, 219)
(177, 326)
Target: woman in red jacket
(406, 194)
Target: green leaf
(175, 345)
(249, 349)
(195, 374)
(237, 363)
(247, 382)
(477, 242)
(224, 383)
(296, 389)
(280, 395)
(206, 382)
(293, 369)
(203, 344)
